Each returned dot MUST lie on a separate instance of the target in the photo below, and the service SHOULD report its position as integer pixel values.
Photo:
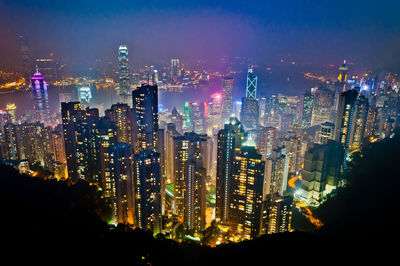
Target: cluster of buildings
(158, 171)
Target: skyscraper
(326, 132)
(320, 174)
(147, 186)
(190, 177)
(124, 78)
(121, 175)
(276, 172)
(40, 98)
(307, 108)
(81, 144)
(229, 143)
(342, 78)
(247, 193)
(277, 214)
(227, 98)
(120, 114)
(251, 84)
(197, 118)
(249, 113)
(145, 118)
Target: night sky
(309, 31)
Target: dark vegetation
(58, 218)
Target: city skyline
(187, 144)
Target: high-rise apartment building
(247, 193)
(147, 187)
(145, 118)
(229, 144)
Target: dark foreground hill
(50, 219)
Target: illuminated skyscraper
(121, 175)
(85, 95)
(227, 98)
(80, 138)
(40, 98)
(322, 106)
(197, 118)
(342, 78)
(11, 141)
(174, 69)
(124, 78)
(247, 193)
(351, 120)
(190, 177)
(276, 172)
(321, 170)
(277, 214)
(307, 108)
(229, 143)
(251, 84)
(106, 133)
(147, 187)
(120, 114)
(326, 132)
(249, 113)
(145, 118)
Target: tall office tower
(197, 118)
(307, 104)
(293, 146)
(40, 98)
(11, 141)
(120, 114)
(276, 172)
(251, 84)
(249, 113)
(213, 114)
(277, 214)
(147, 185)
(371, 122)
(106, 133)
(124, 75)
(345, 118)
(342, 78)
(145, 118)
(190, 177)
(247, 192)
(27, 63)
(360, 121)
(227, 98)
(229, 143)
(122, 183)
(326, 132)
(322, 107)
(81, 146)
(263, 106)
(174, 69)
(322, 165)
(177, 120)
